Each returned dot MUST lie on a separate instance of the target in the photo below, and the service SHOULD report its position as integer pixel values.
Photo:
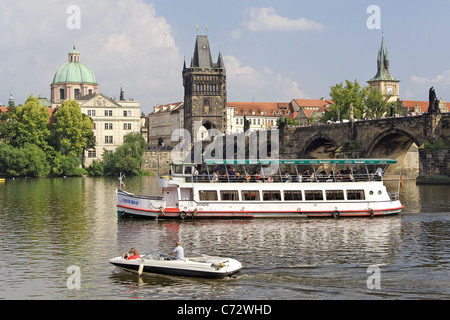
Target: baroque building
(113, 119)
(205, 92)
(383, 81)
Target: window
(313, 195)
(271, 195)
(127, 113)
(61, 94)
(108, 113)
(109, 139)
(295, 195)
(76, 92)
(91, 113)
(355, 195)
(206, 104)
(229, 195)
(208, 195)
(127, 126)
(250, 195)
(108, 126)
(92, 153)
(335, 194)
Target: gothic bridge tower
(205, 92)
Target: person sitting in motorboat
(178, 252)
(132, 254)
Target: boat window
(335, 194)
(188, 170)
(178, 169)
(355, 195)
(231, 195)
(313, 195)
(295, 195)
(250, 195)
(271, 195)
(208, 195)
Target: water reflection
(47, 225)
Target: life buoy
(336, 214)
(183, 214)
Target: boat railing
(205, 178)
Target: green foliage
(30, 146)
(376, 105)
(27, 124)
(127, 158)
(28, 161)
(367, 102)
(72, 130)
(96, 169)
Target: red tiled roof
(268, 108)
(313, 102)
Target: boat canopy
(301, 161)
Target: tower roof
(383, 65)
(202, 55)
(74, 71)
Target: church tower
(205, 93)
(383, 81)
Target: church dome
(74, 71)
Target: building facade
(112, 118)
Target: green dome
(74, 72)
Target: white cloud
(417, 87)
(266, 19)
(246, 83)
(124, 42)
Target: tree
(128, 157)
(376, 104)
(29, 125)
(72, 130)
(342, 96)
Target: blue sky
(273, 50)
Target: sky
(274, 51)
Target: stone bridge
(420, 144)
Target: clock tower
(383, 81)
(205, 92)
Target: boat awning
(301, 161)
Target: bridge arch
(396, 144)
(319, 146)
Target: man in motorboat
(178, 252)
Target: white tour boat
(201, 266)
(247, 189)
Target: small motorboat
(202, 266)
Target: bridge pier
(434, 166)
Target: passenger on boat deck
(269, 179)
(258, 176)
(287, 177)
(195, 174)
(215, 177)
(247, 177)
(299, 177)
(178, 252)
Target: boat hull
(185, 268)
(129, 205)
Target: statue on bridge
(433, 106)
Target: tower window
(62, 96)
(206, 105)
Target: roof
(202, 55)
(168, 107)
(302, 161)
(313, 102)
(274, 109)
(383, 65)
(74, 71)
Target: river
(56, 236)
